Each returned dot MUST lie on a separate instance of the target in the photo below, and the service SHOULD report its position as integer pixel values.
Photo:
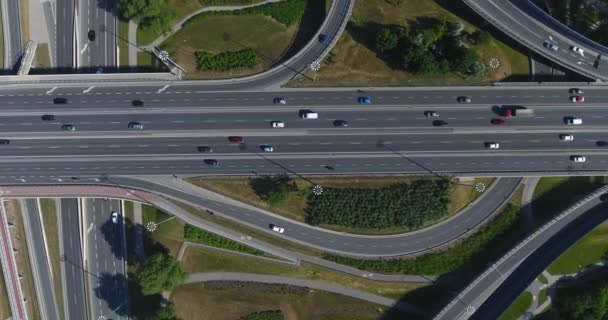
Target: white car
(579, 159)
(267, 148)
(278, 124)
(566, 137)
(578, 50)
(492, 145)
(280, 101)
(431, 114)
(114, 217)
(276, 228)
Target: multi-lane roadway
(97, 35)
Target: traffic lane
(329, 144)
(97, 167)
(292, 119)
(156, 96)
(72, 259)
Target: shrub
(226, 60)
(584, 301)
(194, 234)
(149, 14)
(386, 40)
(469, 252)
(160, 272)
(285, 12)
(264, 315)
(481, 37)
(406, 205)
(273, 189)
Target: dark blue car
(323, 38)
(364, 100)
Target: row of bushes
(264, 315)
(225, 61)
(195, 234)
(410, 205)
(285, 12)
(256, 287)
(227, 2)
(470, 251)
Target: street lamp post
(315, 66)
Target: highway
(65, 34)
(41, 269)
(13, 45)
(491, 292)
(99, 16)
(107, 281)
(533, 34)
(72, 263)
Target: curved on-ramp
(329, 241)
(495, 289)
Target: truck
(516, 111)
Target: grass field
(542, 279)
(207, 260)
(5, 309)
(542, 296)
(170, 231)
(194, 301)
(41, 59)
(267, 37)
(123, 42)
(51, 232)
(295, 208)
(555, 194)
(518, 308)
(586, 251)
(352, 62)
(181, 8)
(13, 212)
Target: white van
(309, 115)
(574, 121)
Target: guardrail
(470, 309)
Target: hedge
(285, 12)
(409, 205)
(195, 234)
(470, 251)
(264, 315)
(226, 60)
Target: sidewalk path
(132, 44)
(9, 268)
(139, 232)
(317, 285)
(526, 199)
(180, 24)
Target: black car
(340, 123)
(137, 103)
(204, 149)
(211, 162)
(440, 123)
(91, 35)
(601, 143)
(464, 99)
(48, 117)
(5, 141)
(60, 101)
(604, 197)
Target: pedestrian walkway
(139, 232)
(526, 199)
(132, 44)
(9, 268)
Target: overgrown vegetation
(264, 315)
(287, 12)
(160, 272)
(273, 189)
(585, 301)
(227, 60)
(452, 259)
(155, 15)
(411, 205)
(431, 46)
(227, 2)
(586, 17)
(195, 234)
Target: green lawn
(197, 259)
(586, 251)
(194, 301)
(542, 296)
(181, 8)
(295, 208)
(555, 194)
(170, 232)
(267, 37)
(518, 308)
(352, 62)
(42, 59)
(51, 232)
(542, 279)
(123, 42)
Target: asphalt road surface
(100, 17)
(40, 261)
(106, 256)
(65, 34)
(74, 270)
(14, 43)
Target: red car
(577, 99)
(235, 139)
(508, 113)
(498, 122)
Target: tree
(164, 313)
(455, 29)
(273, 189)
(481, 37)
(149, 14)
(386, 39)
(160, 272)
(478, 69)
